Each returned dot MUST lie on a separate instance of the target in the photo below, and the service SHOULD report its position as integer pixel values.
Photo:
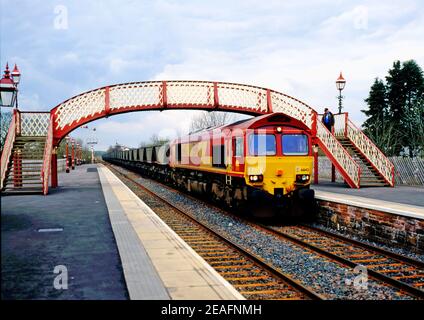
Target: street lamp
(91, 141)
(340, 85)
(78, 156)
(72, 154)
(67, 138)
(16, 77)
(8, 89)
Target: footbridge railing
(371, 152)
(8, 146)
(162, 95)
(48, 148)
(338, 155)
(34, 124)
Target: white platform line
(143, 281)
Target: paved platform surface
(86, 246)
(157, 263)
(400, 194)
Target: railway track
(254, 278)
(401, 272)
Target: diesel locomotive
(264, 162)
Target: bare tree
(210, 119)
(5, 117)
(154, 140)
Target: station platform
(75, 233)
(400, 200)
(110, 243)
(157, 263)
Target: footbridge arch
(201, 95)
(168, 95)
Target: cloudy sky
(66, 47)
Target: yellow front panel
(272, 167)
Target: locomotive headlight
(279, 129)
(256, 178)
(302, 178)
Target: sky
(65, 47)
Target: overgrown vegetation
(6, 117)
(395, 110)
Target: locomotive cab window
(262, 145)
(295, 144)
(238, 146)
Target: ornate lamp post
(91, 141)
(73, 154)
(16, 77)
(340, 85)
(8, 89)
(8, 96)
(78, 154)
(67, 153)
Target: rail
(7, 147)
(373, 154)
(260, 262)
(45, 172)
(339, 248)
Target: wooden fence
(408, 171)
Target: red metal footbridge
(29, 160)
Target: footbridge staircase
(28, 159)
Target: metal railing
(34, 124)
(373, 154)
(7, 148)
(159, 95)
(340, 121)
(339, 156)
(45, 171)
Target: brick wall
(373, 225)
